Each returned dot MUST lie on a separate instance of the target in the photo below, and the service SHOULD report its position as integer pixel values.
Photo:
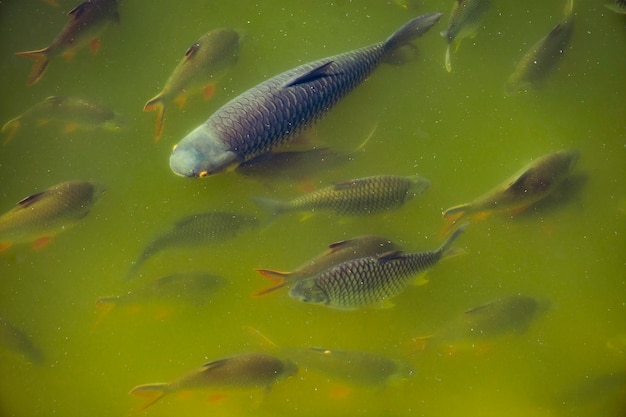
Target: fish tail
(42, 60)
(446, 249)
(274, 207)
(452, 216)
(569, 8)
(156, 103)
(278, 278)
(152, 392)
(448, 60)
(12, 126)
(411, 30)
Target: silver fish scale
(269, 114)
(363, 196)
(371, 280)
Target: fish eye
(203, 174)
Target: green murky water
(458, 129)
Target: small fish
(464, 22)
(357, 197)
(205, 61)
(355, 367)
(196, 230)
(37, 218)
(15, 340)
(192, 287)
(73, 112)
(533, 183)
(338, 252)
(512, 314)
(87, 22)
(371, 280)
(617, 6)
(541, 59)
(279, 109)
(244, 371)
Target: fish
(86, 23)
(243, 371)
(617, 6)
(532, 184)
(204, 62)
(337, 252)
(73, 112)
(279, 109)
(512, 314)
(370, 280)
(38, 217)
(15, 340)
(192, 287)
(542, 58)
(465, 19)
(355, 367)
(199, 229)
(356, 197)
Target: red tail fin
(153, 393)
(278, 278)
(39, 66)
(156, 103)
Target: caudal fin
(278, 278)
(156, 103)
(452, 216)
(413, 29)
(152, 393)
(39, 66)
(446, 249)
(12, 126)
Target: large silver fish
(275, 111)
(367, 281)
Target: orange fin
(208, 91)
(69, 54)
(70, 127)
(451, 217)
(156, 103)
(4, 246)
(39, 66)
(41, 242)
(12, 126)
(181, 101)
(339, 392)
(277, 277)
(105, 305)
(153, 392)
(94, 45)
(217, 397)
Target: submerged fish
(196, 230)
(205, 61)
(40, 216)
(193, 287)
(87, 22)
(618, 6)
(15, 340)
(245, 371)
(464, 22)
(355, 367)
(533, 183)
(357, 197)
(371, 280)
(541, 59)
(506, 315)
(73, 112)
(275, 111)
(338, 252)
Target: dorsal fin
(316, 73)
(31, 199)
(78, 10)
(191, 51)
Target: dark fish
(541, 59)
(73, 112)
(357, 197)
(533, 183)
(371, 280)
(87, 22)
(15, 340)
(594, 395)
(245, 371)
(203, 64)
(185, 287)
(37, 218)
(355, 367)
(338, 252)
(275, 111)
(196, 230)
(464, 22)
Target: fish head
(200, 154)
(307, 291)
(418, 186)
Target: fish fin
(420, 343)
(153, 392)
(451, 216)
(156, 103)
(448, 60)
(70, 127)
(217, 397)
(306, 216)
(41, 242)
(569, 8)
(411, 30)
(269, 289)
(420, 280)
(278, 278)
(94, 45)
(39, 66)
(31, 199)
(4, 246)
(316, 73)
(12, 126)
(208, 91)
(104, 305)
(339, 392)
(384, 304)
(447, 245)
(191, 51)
(69, 54)
(181, 101)
(305, 186)
(78, 10)
(42, 122)
(274, 207)
(452, 252)
(516, 211)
